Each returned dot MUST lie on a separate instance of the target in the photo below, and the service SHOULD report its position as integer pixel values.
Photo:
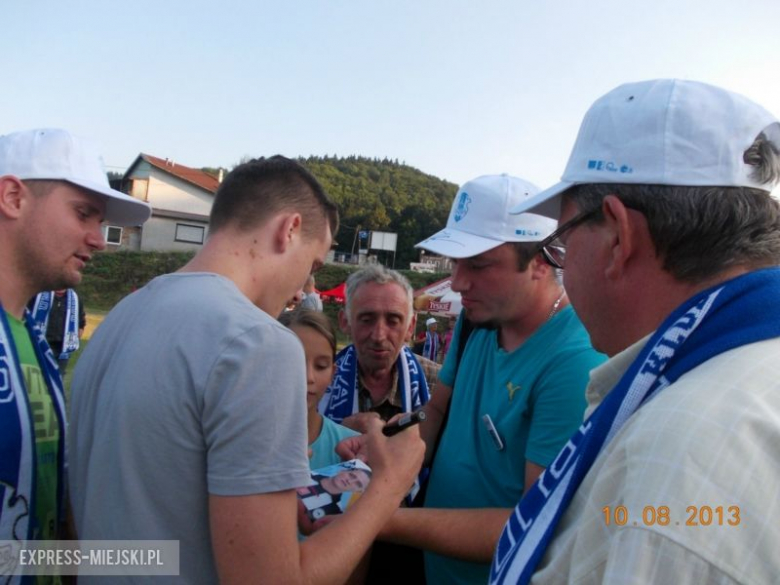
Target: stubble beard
(46, 277)
(484, 323)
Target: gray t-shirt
(186, 389)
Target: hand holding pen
(403, 422)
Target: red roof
(194, 176)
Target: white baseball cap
(663, 132)
(431, 321)
(53, 154)
(479, 219)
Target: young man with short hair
(189, 404)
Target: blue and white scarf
(739, 312)
(17, 434)
(431, 347)
(341, 399)
(41, 310)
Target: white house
(181, 199)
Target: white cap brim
(457, 244)
(546, 203)
(53, 154)
(121, 209)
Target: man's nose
(95, 238)
(379, 330)
(460, 281)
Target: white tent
(438, 299)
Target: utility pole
(355, 239)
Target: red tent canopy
(336, 295)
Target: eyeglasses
(553, 248)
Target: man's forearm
(466, 534)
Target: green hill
(384, 195)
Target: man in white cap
(673, 244)
(509, 399)
(432, 343)
(54, 195)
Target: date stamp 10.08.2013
(663, 516)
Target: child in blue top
(318, 337)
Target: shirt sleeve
(254, 414)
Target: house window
(139, 189)
(189, 233)
(113, 235)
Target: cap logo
(463, 206)
(531, 233)
(609, 166)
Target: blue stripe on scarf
(70, 340)
(732, 314)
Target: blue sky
(454, 88)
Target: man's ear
(538, 267)
(343, 322)
(621, 235)
(13, 195)
(288, 230)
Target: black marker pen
(404, 422)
